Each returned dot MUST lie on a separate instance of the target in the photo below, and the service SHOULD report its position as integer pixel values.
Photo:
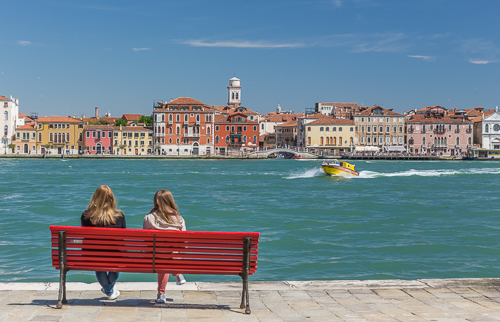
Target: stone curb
(263, 286)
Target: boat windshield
(333, 162)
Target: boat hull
(338, 170)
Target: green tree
(11, 146)
(148, 120)
(120, 122)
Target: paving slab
(384, 300)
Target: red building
(235, 133)
(98, 139)
(183, 126)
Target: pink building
(98, 139)
(434, 130)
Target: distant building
(183, 126)
(328, 134)
(338, 110)
(25, 139)
(286, 134)
(234, 92)
(380, 128)
(434, 130)
(491, 131)
(59, 135)
(235, 133)
(8, 121)
(132, 140)
(98, 139)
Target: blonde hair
(102, 207)
(165, 207)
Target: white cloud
(24, 42)
(426, 58)
(241, 44)
(387, 42)
(141, 49)
(337, 3)
(479, 62)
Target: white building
(234, 92)
(10, 110)
(491, 131)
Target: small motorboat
(297, 157)
(338, 168)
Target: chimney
(96, 112)
(74, 116)
(83, 116)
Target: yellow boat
(338, 168)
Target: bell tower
(234, 92)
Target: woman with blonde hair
(164, 216)
(102, 212)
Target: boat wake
(308, 174)
(427, 173)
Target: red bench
(153, 251)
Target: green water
(398, 219)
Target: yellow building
(59, 135)
(329, 134)
(133, 140)
(25, 139)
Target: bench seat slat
(117, 266)
(166, 250)
(149, 255)
(87, 241)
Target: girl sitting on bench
(102, 212)
(164, 216)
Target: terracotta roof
(273, 117)
(431, 119)
(58, 119)
(3, 98)
(133, 128)
(219, 108)
(30, 126)
(131, 117)
(331, 120)
(185, 101)
(21, 115)
(220, 118)
(289, 124)
(98, 127)
(385, 112)
(111, 120)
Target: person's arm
(124, 223)
(146, 224)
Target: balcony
(468, 131)
(192, 135)
(197, 122)
(170, 122)
(410, 130)
(423, 131)
(439, 131)
(186, 122)
(457, 130)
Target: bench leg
(63, 269)
(62, 289)
(245, 296)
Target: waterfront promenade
(382, 300)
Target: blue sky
(66, 57)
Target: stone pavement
(384, 300)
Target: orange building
(183, 126)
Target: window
(217, 128)
(387, 128)
(39, 137)
(352, 129)
(309, 128)
(51, 137)
(423, 141)
(486, 128)
(340, 128)
(321, 129)
(374, 129)
(368, 129)
(362, 119)
(227, 127)
(327, 129)
(255, 139)
(6, 116)
(255, 127)
(216, 139)
(309, 141)
(93, 134)
(321, 141)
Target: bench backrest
(150, 251)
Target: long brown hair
(102, 207)
(165, 207)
